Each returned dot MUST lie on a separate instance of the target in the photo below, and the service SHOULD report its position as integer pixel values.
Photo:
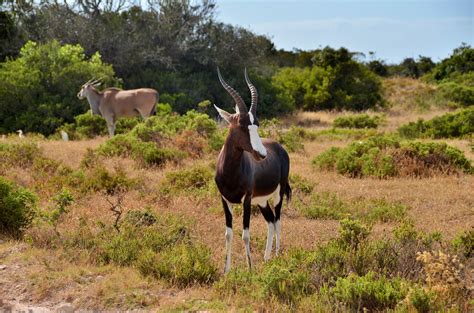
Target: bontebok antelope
(252, 171)
(113, 103)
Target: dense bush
(387, 156)
(291, 139)
(458, 92)
(183, 264)
(461, 61)
(38, 89)
(195, 178)
(17, 208)
(449, 125)
(88, 125)
(158, 245)
(335, 81)
(455, 76)
(464, 243)
(368, 292)
(352, 272)
(358, 121)
(18, 154)
(166, 137)
(147, 153)
(286, 279)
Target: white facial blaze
(255, 139)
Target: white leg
(246, 239)
(111, 128)
(268, 247)
(228, 247)
(228, 234)
(278, 233)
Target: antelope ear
(224, 114)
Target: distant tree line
(49, 48)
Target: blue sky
(393, 29)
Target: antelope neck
(94, 100)
(232, 155)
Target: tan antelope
(113, 103)
(250, 171)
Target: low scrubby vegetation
(353, 272)
(358, 121)
(159, 246)
(329, 206)
(88, 125)
(166, 137)
(383, 156)
(17, 208)
(450, 125)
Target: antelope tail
(153, 110)
(288, 193)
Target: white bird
(64, 135)
(20, 134)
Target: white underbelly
(262, 200)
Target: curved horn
(253, 92)
(95, 81)
(87, 82)
(237, 98)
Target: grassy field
(42, 271)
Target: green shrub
(459, 93)
(147, 153)
(166, 137)
(183, 264)
(331, 262)
(449, 125)
(323, 205)
(111, 183)
(421, 299)
(86, 125)
(383, 157)
(291, 139)
(328, 205)
(335, 81)
(286, 278)
(18, 154)
(352, 232)
(384, 211)
(464, 243)
(198, 177)
(137, 237)
(60, 208)
(301, 184)
(358, 121)
(370, 292)
(17, 208)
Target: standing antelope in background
(112, 103)
(250, 171)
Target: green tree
(38, 89)
(335, 81)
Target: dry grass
(51, 277)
